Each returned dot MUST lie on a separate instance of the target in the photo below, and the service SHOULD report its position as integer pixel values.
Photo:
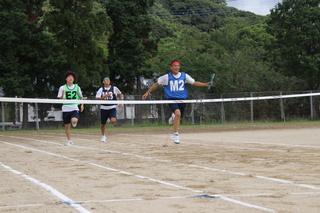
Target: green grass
(145, 126)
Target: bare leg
(113, 120)
(67, 130)
(176, 121)
(102, 127)
(74, 121)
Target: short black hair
(69, 73)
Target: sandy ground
(251, 168)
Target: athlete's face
(175, 69)
(70, 79)
(106, 81)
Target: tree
(130, 45)
(295, 25)
(206, 15)
(29, 59)
(77, 28)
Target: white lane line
(104, 167)
(188, 165)
(154, 180)
(289, 182)
(210, 145)
(163, 198)
(211, 140)
(271, 194)
(48, 188)
(232, 141)
(278, 180)
(246, 204)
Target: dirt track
(253, 168)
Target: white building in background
(53, 115)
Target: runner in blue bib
(175, 89)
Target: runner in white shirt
(70, 91)
(108, 111)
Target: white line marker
(163, 198)
(194, 166)
(108, 168)
(273, 179)
(48, 188)
(246, 204)
(142, 177)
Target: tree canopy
(40, 40)
(77, 29)
(130, 44)
(295, 50)
(29, 60)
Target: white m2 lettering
(176, 85)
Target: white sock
(176, 133)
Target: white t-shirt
(69, 108)
(99, 95)
(163, 80)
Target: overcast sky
(260, 7)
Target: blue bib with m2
(176, 87)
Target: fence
(250, 107)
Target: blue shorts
(68, 115)
(105, 114)
(180, 106)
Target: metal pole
(132, 113)
(192, 113)
(251, 107)
(282, 109)
(222, 112)
(311, 106)
(2, 110)
(37, 117)
(162, 114)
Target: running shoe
(103, 138)
(171, 118)
(176, 139)
(69, 143)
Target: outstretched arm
(200, 84)
(154, 86)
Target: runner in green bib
(70, 111)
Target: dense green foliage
(130, 46)
(77, 29)
(295, 50)
(233, 50)
(29, 62)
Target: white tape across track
(57, 101)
